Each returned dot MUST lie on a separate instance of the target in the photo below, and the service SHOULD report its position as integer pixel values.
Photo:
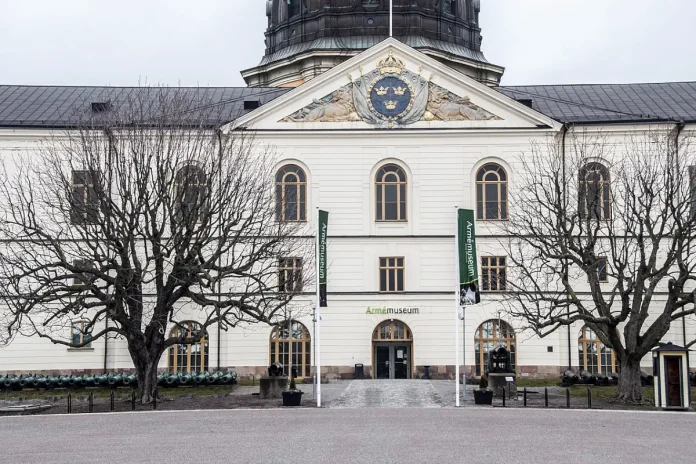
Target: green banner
(468, 265)
(322, 257)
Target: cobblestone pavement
(388, 394)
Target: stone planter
(292, 398)
(483, 397)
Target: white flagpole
(318, 303)
(391, 18)
(456, 305)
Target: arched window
(489, 335)
(190, 356)
(595, 192)
(392, 331)
(301, 348)
(391, 193)
(291, 194)
(492, 193)
(595, 357)
(191, 189)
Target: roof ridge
(132, 87)
(596, 84)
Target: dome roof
(307, 37)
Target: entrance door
(674, 375)
(402, 364)
(382, 362)
(392, 361)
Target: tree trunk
(629, 389)
(146, 361)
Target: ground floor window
(489, 335)
(595, 357)
(189, 356)
(301, 348)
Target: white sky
(207, 42)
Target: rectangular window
(84, 277)
(290, 274)
(84, 204)
(493, 273)
(80, 334)
(602, 270)
(391, 275)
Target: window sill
(78, 350)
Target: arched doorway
(392, 351)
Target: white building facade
(391, 182)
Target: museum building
(389, 135)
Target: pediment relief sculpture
(388, 97)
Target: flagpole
(318, 306)
(456, 305)
(391, 18)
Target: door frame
(681, 380)
(392, 358)
(406, 338)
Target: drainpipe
(678, 130)
(220, 135)
(564, 133)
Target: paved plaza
(388, 394)
(337, 436)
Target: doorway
(673, 374)
(393, 361)
(392, 351)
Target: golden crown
(391, 105)
(382, 91)
(391, 65)
(399, 90)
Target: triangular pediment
(392, 86)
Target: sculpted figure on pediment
(443, 105)
(336, 107)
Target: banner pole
(318, 314)
(456, 305)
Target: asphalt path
(336, 436)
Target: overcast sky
(207, 42)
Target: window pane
(383, 280)
(392, 280)
(390, 210)
(400, 280)
(390, 193)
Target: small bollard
(69, 403)
(91, 403)
(568, 398)
(546, 397)
(525, 397)
(503, 397)
(112, 400)
(589, 398)
(133, 401)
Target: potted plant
(292, 396)
(483, 395)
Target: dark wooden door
(673, 376)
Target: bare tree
(602, 233)
(138, 218)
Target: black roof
(55, 106)
(51, 106)
(601, 103)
